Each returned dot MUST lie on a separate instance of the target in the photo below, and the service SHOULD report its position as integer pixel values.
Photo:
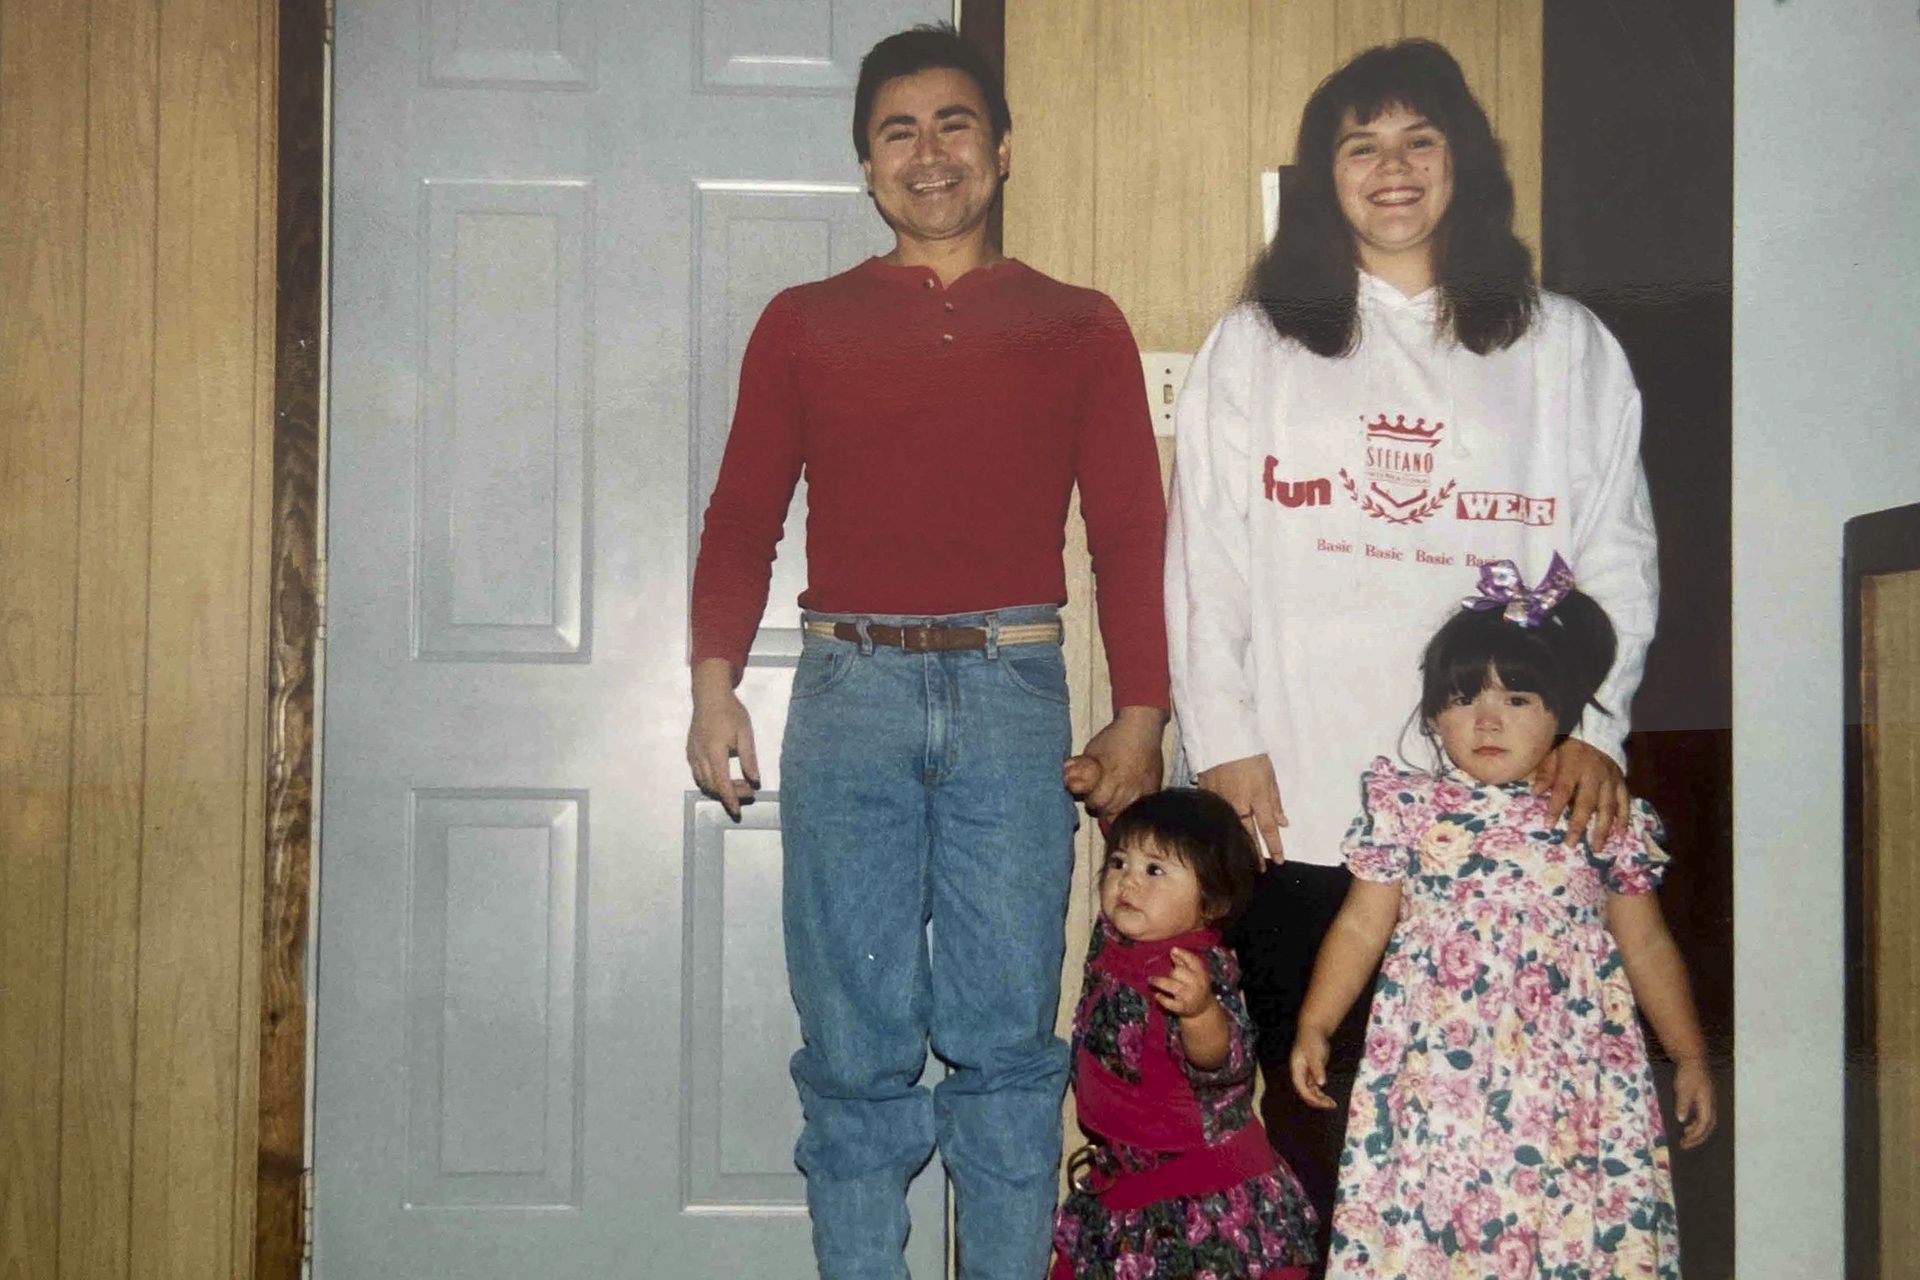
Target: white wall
(1826, 384)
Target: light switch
(1165, 372)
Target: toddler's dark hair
(1199, 829)
(1564, 659)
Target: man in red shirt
(943, 402)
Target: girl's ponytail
(1582, 636)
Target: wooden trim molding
(1884, 542)
(294, 621)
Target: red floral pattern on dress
(1504, 1123)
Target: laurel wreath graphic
(1415, 516)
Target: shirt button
(947, 338)
(947, 305)
(926, 284)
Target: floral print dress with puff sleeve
(1179, 1181)
(1504, 1121)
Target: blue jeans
(921, 787)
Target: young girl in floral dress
(1504, 1123)
(1179, 1180)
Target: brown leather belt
(937, 639)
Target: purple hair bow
(1502, 587)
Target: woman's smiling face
(1393, 177)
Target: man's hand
(720, 730)
(1587, 779)
(1249, 786)
(1125, 760)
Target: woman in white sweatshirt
(1393, 404)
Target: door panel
(553, 1019)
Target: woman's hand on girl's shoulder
(1584, 783)
(1308, 1066)
(1693, 1102)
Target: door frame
(296, 621)
(1880, 543)
(295, 626)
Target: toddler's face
(1150, 895)
(1498, 735)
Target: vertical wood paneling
(200, 656)
(1170, 231)
(1890, 626)
(110, 640)
(1049, 204)
(1361, 24)
(1293, 50)
(1470, 29)
(1517, 107)
(258, 429)
(42, 260)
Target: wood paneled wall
(1890, 722)
(136, 287)
(1141, 128)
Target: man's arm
(720, 730)
(744, 520)
(1118, 471)
(1127, 753)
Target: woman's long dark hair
(1306, 281)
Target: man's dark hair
(1306, 282)
(924, 48)
(1201, 830)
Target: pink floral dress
(1504, 1122)
(1146, 1108)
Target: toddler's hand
(1185, 992)
(1081, 775)
(1693, 1102)
(1308, 1066)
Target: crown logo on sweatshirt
(1395, 480)
(1418, 433)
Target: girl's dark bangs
(1519, 664)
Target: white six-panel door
(553, 1018)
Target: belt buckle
(1087, 1172)
(916, 639)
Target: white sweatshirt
(1329, 514)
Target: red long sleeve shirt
(942, 431)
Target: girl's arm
(1658, 976)
(1187, 993)
(1348, 957)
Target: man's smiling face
(933, 166)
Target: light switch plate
(1165, 372)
